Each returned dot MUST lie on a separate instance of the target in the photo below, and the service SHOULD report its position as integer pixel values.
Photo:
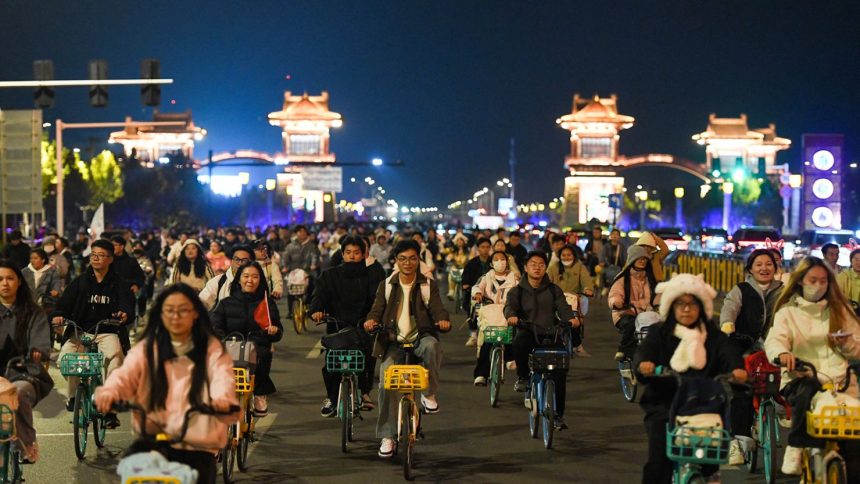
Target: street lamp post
(796, 183)
(679, 208)
(728, 189)
(642, 196)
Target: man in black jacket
(472, 273)
(96, 295)
(346, 293)
(17, 250)
(129, 272)
(516, 249)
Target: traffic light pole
(59, 152)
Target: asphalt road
(467, 441)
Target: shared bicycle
(764, 379)
(498, 337)
(297, 287)
(548, 361)
(89, 367)
(349, 363)
(240, 434)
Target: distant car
(747, 239)
(674, 238)
(710, 239)
(811, 241)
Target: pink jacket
(205, 432)
(640, 295)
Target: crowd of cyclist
(181, 292)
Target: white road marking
(315, 352)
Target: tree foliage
(103, 177)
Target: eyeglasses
(243, 260)
(536, 265)
(99, 256)
(409, 260)
(176, 313)
(684, 305)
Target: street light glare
(376, 162)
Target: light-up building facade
(730, 145)
(154, 143)
(822, 181)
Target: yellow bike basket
(406, 378)
(834, 423)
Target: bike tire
(344, 402)
(298, 310)
(548, 413)
(769, 443)
(243, 443)
(17, 471)
(458, 299)
(836, 473)
(355, 406)
(5, 452)
(228, 456)
(407, 438)
(696, 479)
(99, 428)
(533, 410)
(628, 383)
(81, 420)
(495, 376)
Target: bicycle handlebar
(203, 410)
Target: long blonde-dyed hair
(840, 309)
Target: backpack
(424, 287)
(221, 283)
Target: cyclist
(500, 246)
(381, 251)
(218, 260)
(494, 286)
(263, 253)
(658, 251)
(24, 331)
(472, 273)
(516, 249)
(748, 311)
(418, 321)
(830, 253)
(781, 274)
(542, 303)
(813, 322)
(191, 267)
(849, 279)
(179, 364)
(612, 259)
(457, 256)
(346, 292)
(302, 253)
(632, 292)
(95, 295)
(571, 275)
(219, 288)
(237, 313)
(688, 343)
(44, 281)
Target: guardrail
(721, 271)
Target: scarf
(37, 274)
(690, 353)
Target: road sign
(20, 161)
(615, 200)
(324, 178)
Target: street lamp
(728, 189)
(642, 196)
(679, 209)
(376, 162)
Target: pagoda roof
(738, 129)
(136, 132)
(595, 110)
(305, 108)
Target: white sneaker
(429, 403)
(791, 461)
(511, 365)
(472, 341)
(480, 381)
(386, 448)
(736, 455)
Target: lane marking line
(315, 352)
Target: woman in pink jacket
(196, 371)
(632, 292)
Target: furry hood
(682, 284)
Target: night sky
(443, 85)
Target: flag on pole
(261, 314)
(97, 224)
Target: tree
(49, 164)
(103, 178)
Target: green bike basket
(498, 334)
(7, 423)
(698, 445)
(82, 364)
(344, 361)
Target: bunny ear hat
(682, 284)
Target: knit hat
(647, 239)
(686, 284)
(634, 253)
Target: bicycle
(240, 434)
(498, 336)
(349, 363)
(764, 380)
(297, 286)
(546, 363)
(457, 279)
(629, 382)
(160, 442)
(831, 424)
(89, 367)
(690, 447)
(11, 468)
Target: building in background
(730, 145)
(154, 144)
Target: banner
(97, 224)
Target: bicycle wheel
(228, 455)
(836, 473)
(297, 313)
(344, 411)
(244, 441)
(548, 413)
(628, 382)
(532, 396)
(81, 420)
(16, 469)
(355, 406)
(495, 375)
(458, 298)
(769, 442)
(99, 429)
(407, 437)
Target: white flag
(97, 224)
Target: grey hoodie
(538, 305)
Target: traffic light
(150, 94)
(43, 70)
(98, 93)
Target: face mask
(567, 263)
(814, 293)
(499, 265)
(49, 249)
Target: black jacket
(658, 348)
(544, 306)
(87, 301)
(346, 292)
(18, 253)
(235, 314)
(128, 270)
(519, 252)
